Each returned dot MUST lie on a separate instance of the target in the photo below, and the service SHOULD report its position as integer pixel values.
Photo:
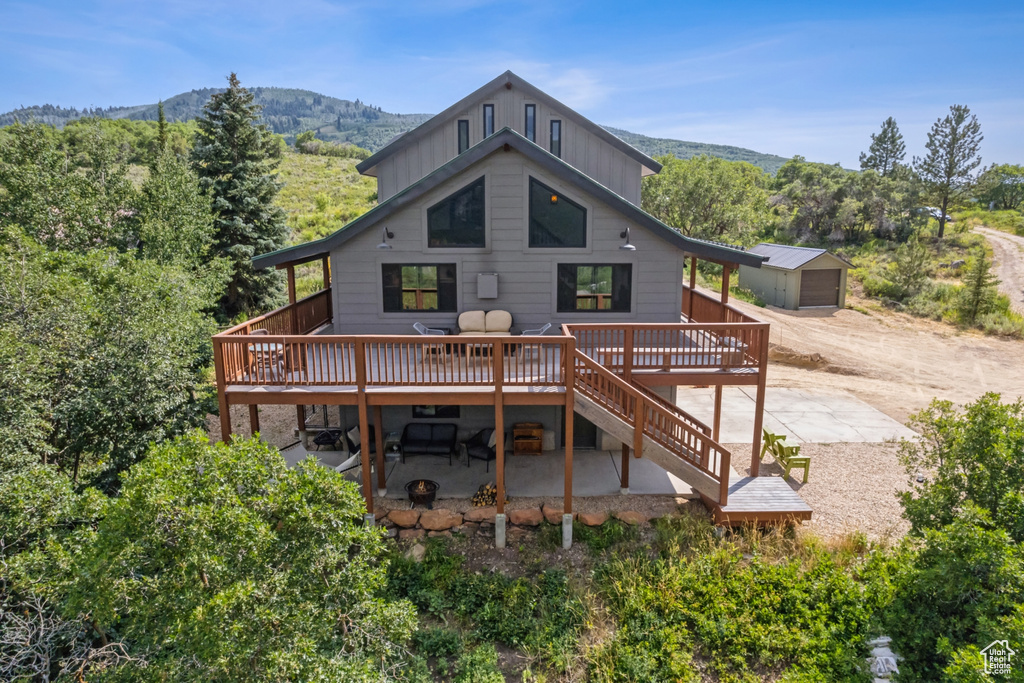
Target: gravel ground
(851, 487)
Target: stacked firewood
(486, 495)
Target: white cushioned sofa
(485, 323)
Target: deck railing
(625, 349)
(301, 317)
(363, 361)
(699, 307)
(652, 419)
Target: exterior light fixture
(387, 235)
(626, 246)
(554, 199)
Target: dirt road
(1009, 264)
(893, 361)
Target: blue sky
(784, 78)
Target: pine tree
(979, 292)
(953, 144)
(161, 128)
(887, 149)
(231, 157)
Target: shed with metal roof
(797, 277)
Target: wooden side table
(527, 438)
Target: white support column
(499, 530)
(567, 531)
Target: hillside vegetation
(290, 111)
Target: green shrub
(801, 618)
(479, 665)
(600, 538)
(438, 642)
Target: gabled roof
(366, 166)
(507, 140)
(790, 258)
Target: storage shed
(797, 277)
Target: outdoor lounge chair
(435, 349)
(354, 441)
(787, 456)
(482, 446)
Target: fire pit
(422, 491)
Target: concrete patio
(595, 473)
(802, 416)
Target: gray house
(797, 277)
(506, 200)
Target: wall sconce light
(387, 235)
(627, 246)
(554, 199)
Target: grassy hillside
(322, 194)
(656, 147)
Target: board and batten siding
(581, 149)
(526, 277)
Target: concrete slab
(802, 416)
(595, 473)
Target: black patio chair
(479, 446)
(354, 448)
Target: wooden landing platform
(761, 500)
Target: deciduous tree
(953, 144)
(232, 158)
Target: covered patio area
(595, 473)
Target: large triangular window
(555, 221)
(458, 220)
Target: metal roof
(507, 139)
(790, 258)
(366, 167)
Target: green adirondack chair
(770, 442)
(789, 457)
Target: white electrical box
(487, 285)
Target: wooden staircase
(653, 427)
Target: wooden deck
(761, 500)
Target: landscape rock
(469, 528)
(411, 533)
(529, 517)
(552, 514)
(593, 518)
(392, 532)
(439, 520)
(631, 517)
(404, 518)
(416, 553)
(484, 514)
(434, 534)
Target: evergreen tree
(232, 159)
(979, 292)
(886, 151)
(953, 144)
(161, 128)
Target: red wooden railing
(707, 309)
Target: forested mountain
(656, 147)
(289, 111)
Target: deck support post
(499, 530)
(327, 271)
(290, 269)
(762, 381)
(222, 397)
(693, 287)
(567, 531)
(570, 408)
(300, 419)
(726, 273)
(364, 427)
(499, 448)
(624, 478)
(254, 419)
(378, 420)
(716, 423)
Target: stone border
(413, 524)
